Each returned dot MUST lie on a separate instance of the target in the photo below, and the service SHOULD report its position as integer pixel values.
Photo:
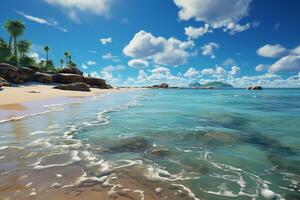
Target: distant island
(210, 85)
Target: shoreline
(33, 92)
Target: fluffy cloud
(91, 62)
(138, 63)
(272, 51)
(191, 72)
(234, 71)
(289, 59)
(262, 67)
(160, 50)
(40, 20)
(194, 33)
(220, 73)
(233, 28)
(84, 66)
(112, 68)
(159, 70)
(290, 63)
(74, 7)
(105, 41)
(214, 12)
(92, 51)
(109, 56)
(208, 49)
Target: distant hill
(213, 84)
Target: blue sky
(136, 42)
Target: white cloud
(213, 11)
(272, 51)
(296, 50)
(35, 56)
(234, 71)
(159, 70)
(191, 72)
(229, 62)
(84, 66)
(262, 67)
(195, 33)
(208, 49)
(160, 50)
(40, 20)
(233, 28)
(112, 68)
(105, 41)
(290, 63)
(91, 62)
(74, 7)
(138, 63)
(109, 56)
(92, 51)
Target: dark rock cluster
(71, 77)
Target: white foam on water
(141, 193)
(11, 147)
(29, 115)
(235, 175)
(184, 150)
(154, 174)
(268, 194)
(37, 165)
(189, 191)
(40, 142)
(38, 132)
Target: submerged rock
(43, 77)
(70, 70)
(159, 151)
(80, 86)
(66, 78)
(133, 144)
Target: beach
(32, 92)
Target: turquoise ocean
(210, 144)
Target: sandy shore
(10, 96)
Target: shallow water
(194, 144)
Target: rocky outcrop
(164, 85)
(25, 74)
(15, 74)
(8, 72)
(4, 82)
(80, 86)
(43, 77)
(96, 82)
(132, 144)
(66, 78)
(256, 87)
(71, 70)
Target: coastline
(32, 92)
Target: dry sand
(12, 96)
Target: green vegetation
(16, 51)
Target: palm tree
(14, 29)
(66, 54)
(69, 60)
(46, 49)
(23, 47)
(61, 62)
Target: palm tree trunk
(9, 44)
(15, 46)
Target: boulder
(7, 71)
(26, 74)
(70, 70)
(43, 77)
(96, 82)
(164, 85)
(256, 87)
(66, 78)
(80, 86)
(4, 82)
